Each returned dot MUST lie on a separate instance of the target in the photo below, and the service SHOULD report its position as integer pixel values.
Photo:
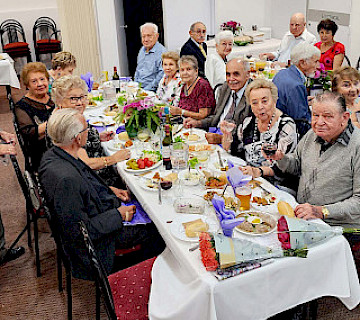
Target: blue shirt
(149, 69)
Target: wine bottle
(116, 80)
(167, 141)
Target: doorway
(136, 13)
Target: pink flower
(283, 233)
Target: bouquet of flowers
(233, 26)
(321, 79)
(139, 114)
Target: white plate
(178, 230)
(112, 145)
(157, 164)
(99, 122)
(274, 221)
(200, 133)
(144, 184)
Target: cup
(269, 148)
(244, 195)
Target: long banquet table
(8, 75)
(183, 289)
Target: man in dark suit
(230, 103)
(75, 193)
(196, 45)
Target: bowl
(190, 178)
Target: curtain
(79, 34)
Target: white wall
(26, 12)
(179, 15)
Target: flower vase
(316, 89)
(131, 130)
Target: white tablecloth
(8, 75)
(254, 49)
(183, 289)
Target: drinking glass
(229, 126)
(269, 148)
(143, 134)
(244, 196)
(179, 155)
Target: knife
(159, 188)
(220, 160)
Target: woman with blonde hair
(62, 64)
(170, 85)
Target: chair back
(44, 28)
(11, 31)
(346, 61)
(99, 273)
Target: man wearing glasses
(149, 69)
(196, 45)
(297, 34)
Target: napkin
(225, 216)
(215, 130)
(88, 78)
(120, 129)
(140, 216)
(236, 177)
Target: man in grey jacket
(231, 102)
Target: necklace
(187, 88)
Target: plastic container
(189, 205)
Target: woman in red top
(332, 52)
(196, 98)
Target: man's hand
(191, 123)
(121, 155)
(107, 135)
(307, 211)
(213, 138)
(127, 212)
(123, 195)
(8, 137)
(251, 171)
(266, 56)
(7, 149)
(277, 156)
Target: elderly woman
(169, 88)
(215, 65)
(197, 98)
(267, 124)
(71, 92)
(63, 64)
(33, 110)
(346, 81)
(332, 52)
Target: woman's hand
(127, 212)
(123, 195)
(251, 171)
(307, 211)
(8, 137)
(121, 155)
(7, 149)
(107, 135)
(175, 111)
(277, 156)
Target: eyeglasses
(200, 31)
(75, 100)
(83, 130)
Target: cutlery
(141, 174)
(266, 193)
(193, 248)
(224, 190)
(181, 127)
(220, 160)
(159, 190)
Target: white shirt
(215, 69)
(239, 95)
(289, 41)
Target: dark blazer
(241, 112)
(190, 48)
(71, 197)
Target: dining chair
(126, 292)
(46, 37)
(13, 39)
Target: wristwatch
(325, 212)
(261, 172)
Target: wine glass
(228, 126)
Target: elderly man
(327, 160)
(75, 193)
(231, 102)
(291, 82)
(196, 46)
(297, 34)
(149, 69)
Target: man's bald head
(297, 24)
(237, 73)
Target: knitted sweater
(331, 179)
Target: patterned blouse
(170, 93)
(327, 57)
(202, 96)
(248, 140)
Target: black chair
(358, 64)
(46, 37)
(13, 39)
(346, 61)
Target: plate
(185, 134)
(115, 145)
(265, 218)
(157, 164)
(178, 230)
(145, 184)
(99, 122)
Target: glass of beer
(244, 195)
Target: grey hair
(149, 24)
(303, 51)
(262, 84)
(190, 60)
(224, 35)
(245, 63)
(63, 85)
(328, 97)
(192, 27)
(63, 126)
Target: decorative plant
(321, 77)
(233, 26)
